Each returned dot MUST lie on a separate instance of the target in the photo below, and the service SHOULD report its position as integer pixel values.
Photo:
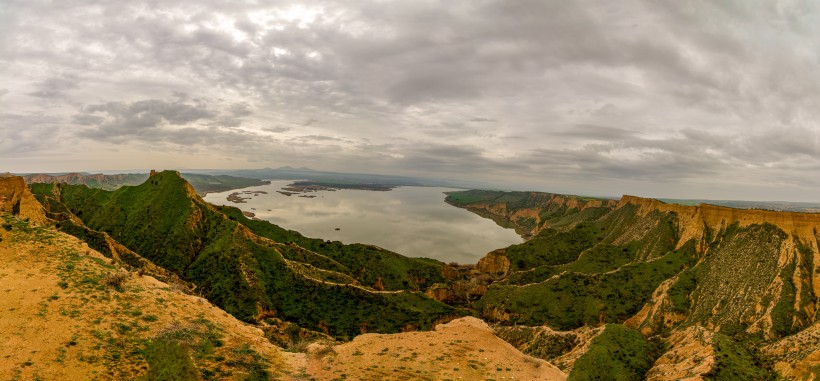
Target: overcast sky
(686, 99)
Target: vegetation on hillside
(165, 222)
(617, 354)
(599, 266)
(749, 284)
(367, 263)
(77, 315)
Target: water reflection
(413, 221)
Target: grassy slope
(366, 263)
(580, 275)
(573, 299)
(736, 362)
(719, 287)
(236, 270)
(618, 354)
(71, 321)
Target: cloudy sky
(689, 99)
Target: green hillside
(165, 221)
(745, 278)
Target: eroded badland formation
(149, 281)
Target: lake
(412, 221)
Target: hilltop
(70, 312)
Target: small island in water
(302, 187)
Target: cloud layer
(670, 99)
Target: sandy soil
(464, 349)
(58, 323)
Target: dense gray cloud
(678, 99)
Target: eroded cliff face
(495, 262)
(531, 212)
(758, 269)
(16, 198)
(745, 283)
(695, 222)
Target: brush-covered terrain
(253, 270)
(679, 292)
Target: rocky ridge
(731, 289)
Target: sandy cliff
(16, 198)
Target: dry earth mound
(463, 349)
(68, 313)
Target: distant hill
(202, 183)
(341, 178)
(783, 206)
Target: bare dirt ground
(464, 349)
(60, 320)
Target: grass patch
(170, 360)
(116, 280)
(733, 361)
(574, 299)
(618, 354)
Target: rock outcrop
(729, 291)
(495, 262)
(16, 198)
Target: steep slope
(70, 314)
(16, 199)
(165, 221)
(529, 212)
(749, 279)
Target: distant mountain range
(202, 183)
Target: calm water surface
(413, 221)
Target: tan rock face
(458, 292)
(656, 314)
(16, 198)
(700, 223)
(694, 219)
(495, 262)
(690, 356)
(797, 357)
